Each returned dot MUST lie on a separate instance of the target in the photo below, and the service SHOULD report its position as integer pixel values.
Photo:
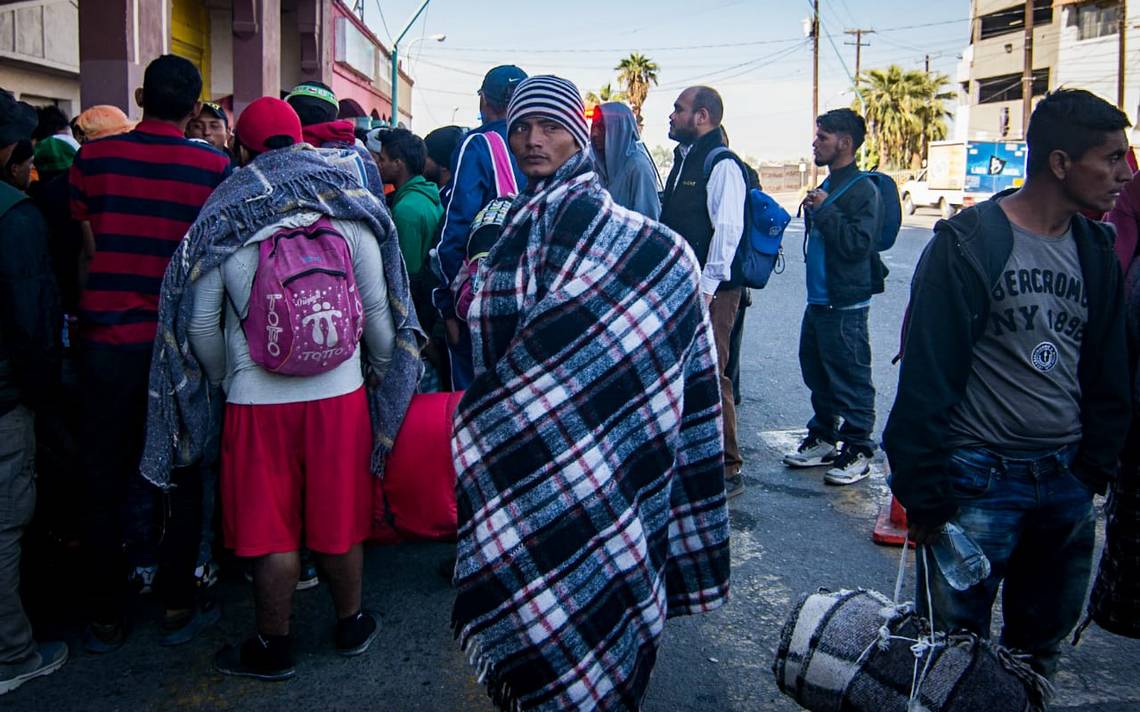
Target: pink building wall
(368, 91)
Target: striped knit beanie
(551, 98)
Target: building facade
(39, 52)
(1089, 52)
(1075, 45)
(990, 72)
(79, 53)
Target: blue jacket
(472, 187)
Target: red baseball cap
(265, 118)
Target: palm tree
(905, 109)
(636, 72)
(932, 112)
(604, 94)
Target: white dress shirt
(727, 191)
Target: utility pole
(926, 114)
(858, 44)
(1122, 30)
(814, 80)
(395, 119)
(1027, 71)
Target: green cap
(314, 92)
(53, 155)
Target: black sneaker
(103, 638)
(354, 635)
(853, 465)
(186, 628)
(812, 452)
(258, 658)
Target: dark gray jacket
(30, 318)
(849, 226)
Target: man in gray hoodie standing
(622, 163)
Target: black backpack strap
(715, 156)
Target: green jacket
(417, 211)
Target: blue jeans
(1034, 519)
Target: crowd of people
(212, 324)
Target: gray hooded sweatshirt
(627, 172)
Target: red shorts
(297, 466)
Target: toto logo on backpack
(305, 315)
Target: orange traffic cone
(890, 528)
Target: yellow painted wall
(190, 37)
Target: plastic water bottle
(959, 558)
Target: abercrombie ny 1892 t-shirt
(1023, 392)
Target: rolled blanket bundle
(856, 650)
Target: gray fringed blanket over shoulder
(183, 415)
(588, 450)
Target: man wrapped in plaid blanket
(588, 448)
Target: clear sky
(752, 51)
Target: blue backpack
(888, 200)
(759, 253)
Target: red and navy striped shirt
(140, 191)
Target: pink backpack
(305, 315)
(486, 226)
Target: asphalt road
(791, 535)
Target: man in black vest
(708, 211)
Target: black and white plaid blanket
(588, 450)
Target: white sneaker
(812, 452)
(850, 467)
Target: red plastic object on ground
(890, 529)
(415, 500)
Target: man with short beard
(708, 211)
(843, 272)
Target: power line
(925, 24)
(576, 50)
(452, 69)
(444, 91)
(384, 22)
(753, 43)
(423, 36)
(603, 65)
(847, 10)
(750, 66)
(947, 43)
(838, 54)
